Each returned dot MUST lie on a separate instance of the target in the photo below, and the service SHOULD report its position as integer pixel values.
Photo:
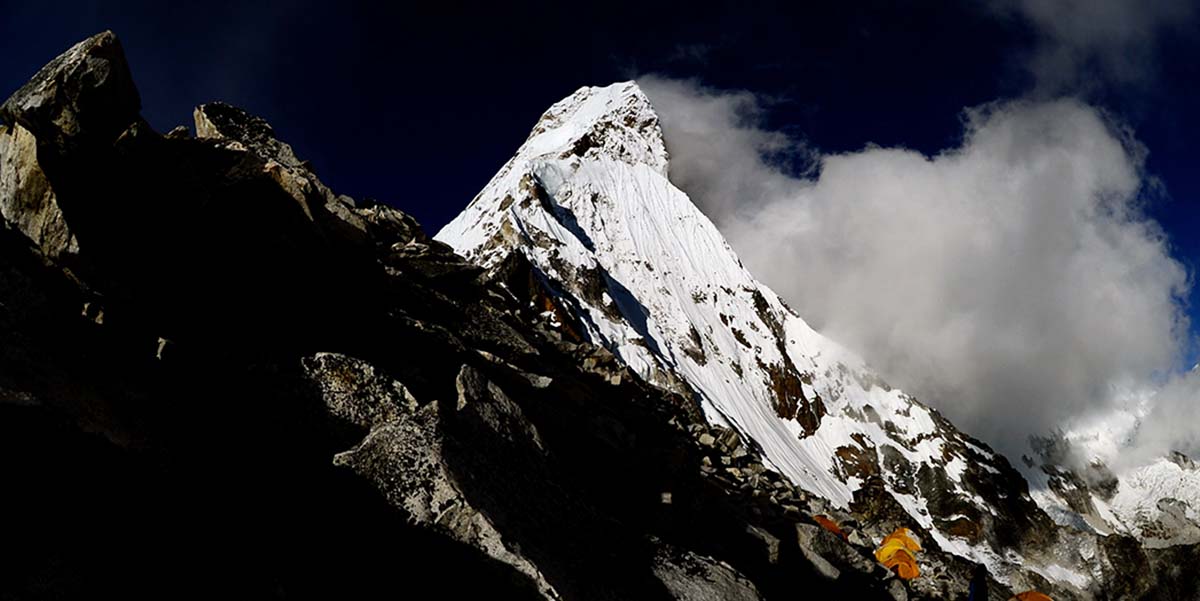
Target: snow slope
(588, 200)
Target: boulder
(688, 576)
(85, 96)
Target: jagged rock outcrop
(83, 97)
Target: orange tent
(1032, 596)
(829, 525)
(897, 553)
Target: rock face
(217, 375)
(28, 201)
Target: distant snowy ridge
(1157, 501)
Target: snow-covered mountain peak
(636, 267)
(611, 123)
(617, 121)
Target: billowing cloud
(1167, 424)
(1081, 43)
(1012, 282)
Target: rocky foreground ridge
(220, 378)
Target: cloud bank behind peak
(1013, 282)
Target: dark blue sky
(418, 107)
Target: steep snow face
(588, 201)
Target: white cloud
(1170, 423)
(1011, 282)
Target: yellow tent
(897, 553)
(902, 536)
